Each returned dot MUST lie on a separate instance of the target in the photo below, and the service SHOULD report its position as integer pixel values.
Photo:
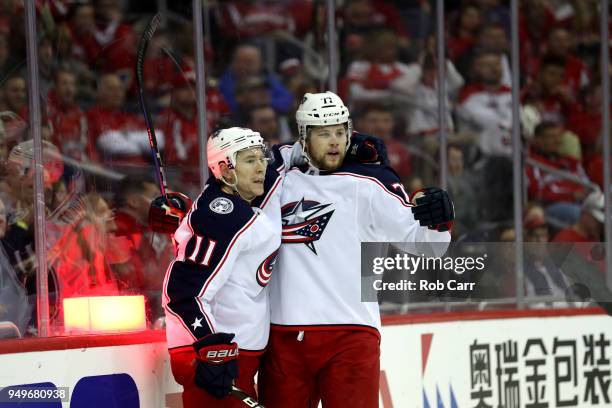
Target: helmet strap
(234, 186)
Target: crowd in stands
(261, 57)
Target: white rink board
(147, 364)
(448, 362)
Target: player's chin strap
(234, 186)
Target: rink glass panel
(98, 171)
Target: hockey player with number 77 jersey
(324, 341)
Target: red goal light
(104, 313)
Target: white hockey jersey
(226, 249)
(325, 217)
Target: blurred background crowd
(261, 57)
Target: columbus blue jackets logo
(264, 271)
(304, 222)
(221, 205)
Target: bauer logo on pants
(222, 205)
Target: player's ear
(226, 172)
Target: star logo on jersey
(304, 222)
(196, 323)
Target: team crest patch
(304, 222)
(221, 205)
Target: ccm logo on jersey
(304, 222)
(264, 271)
(220, 355)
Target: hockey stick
(140, 56)
(245, 398)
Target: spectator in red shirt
(595, 170)
(149, 253)
(585, 120)
(255, 18)
(590, 225)
(359, 18)
(536, 19)
(81, 25)
(179, 124)
(120, 137)
(562, 197)
(378, 120)
(560, 44)
(68, 122)
(550, 95)
(463, 37)
(371, 78)
(113, 42)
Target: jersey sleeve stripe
(377, 182)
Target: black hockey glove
(216, 365)
(166, 215)
(433, 209)
(367, 149)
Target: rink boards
(496, 359)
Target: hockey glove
(216, 365)
(165, 215)
(433, 209)
(367, 149)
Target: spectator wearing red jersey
(68, 122)
(549, 94)
(179, 124)
(81, 26)
(536, 19)
(255, 18)
(378, 120)
(247, 61)
(560, 44)
(585, 120)
(595, 170)
(120, 137)
(485, 106)
(561, 197)
(464, 33)
(590, 226)
(372, 77)
(159, 69)
(360, 18)
(149, 253)
(112, 43)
